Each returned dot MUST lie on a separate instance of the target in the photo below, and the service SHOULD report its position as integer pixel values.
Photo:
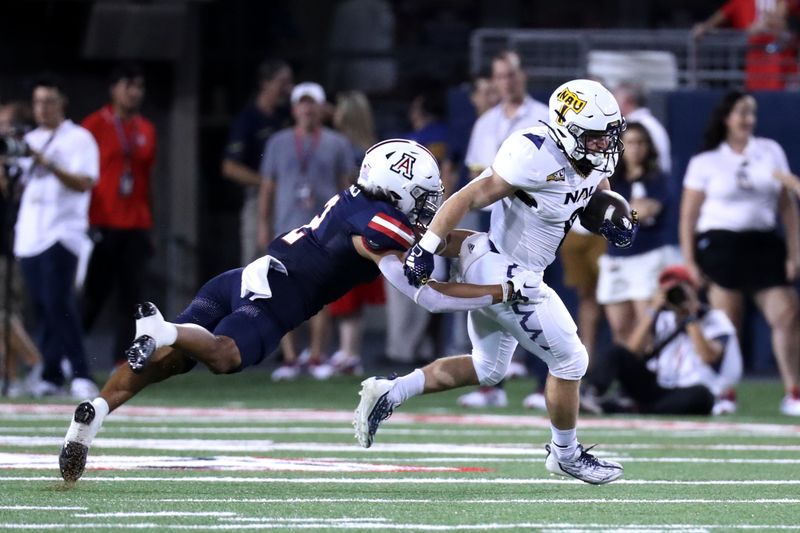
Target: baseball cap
(310, 89)
(676, 273)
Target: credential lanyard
(304, 156)
(35, 167)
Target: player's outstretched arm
(442, 297)
(483, 191)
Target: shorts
(633, 277)
(742, 260)
(370, 293)
(253, 326)
(544, 328)
(580, 256)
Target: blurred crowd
(78, 219)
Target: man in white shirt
(50, 234)
(631, 99)
(679, 360)
(542, 179)
(516, 111)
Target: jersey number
(296, 234)
(569, 223)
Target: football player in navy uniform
(240, 316)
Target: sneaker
(286, 373)
(344, 363)
(484, 397)
(723, 407)
(790, 406)
(585, 467)
(320, 371)
(149, 326)
(83, 389)
(535, 401)
(44, 388)
(85, 424)
(516, 370)
(373, 408)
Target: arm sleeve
(385, 232)
(85, 157)
(696, 177)
(269, 165)
(426, 296)
(515, 161)
(237, 140)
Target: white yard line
(146, 514)
(41, 508)
(399, 480)
(312, 415)
(323, 523)
(533, 501)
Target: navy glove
(621, 237)
(418, 266)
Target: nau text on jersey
(577, 196)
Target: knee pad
(572, 367)
(490, 371)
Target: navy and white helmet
(406, 172)
(580, 109)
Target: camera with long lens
(11, 146)
(676, 295)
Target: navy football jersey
(322, 262)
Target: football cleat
(85, 424)
(373, 408)
(585, 467)
(152, 332)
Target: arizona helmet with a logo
(581, 110)
(406, 172)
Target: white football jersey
(529, 227)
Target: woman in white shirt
(732, 197)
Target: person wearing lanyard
(303, 166)
(50, 235)
(120, 213)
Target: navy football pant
(219, 308)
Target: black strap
(660, 346)
(526, 198)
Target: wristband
(430, 242)
(504, 286)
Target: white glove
(523, 288)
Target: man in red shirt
(771, 58)
(120, 213)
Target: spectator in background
(412, 333)
(50, 236)
(120, 212)
(516, 110)
(483, 96)
(249, 134)
(353, 119)
(628, 277)
(632, 101)
(303, 167)
(680, 358)
(729, 211)
(14, 119)
(771, 59)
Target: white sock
(83, 433)
(565, 443)
(163, 332)
(407, 386)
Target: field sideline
(214, 453)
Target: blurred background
(200, 59)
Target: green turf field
(203, 452)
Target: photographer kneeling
(679, 359)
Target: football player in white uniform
(541, 179)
